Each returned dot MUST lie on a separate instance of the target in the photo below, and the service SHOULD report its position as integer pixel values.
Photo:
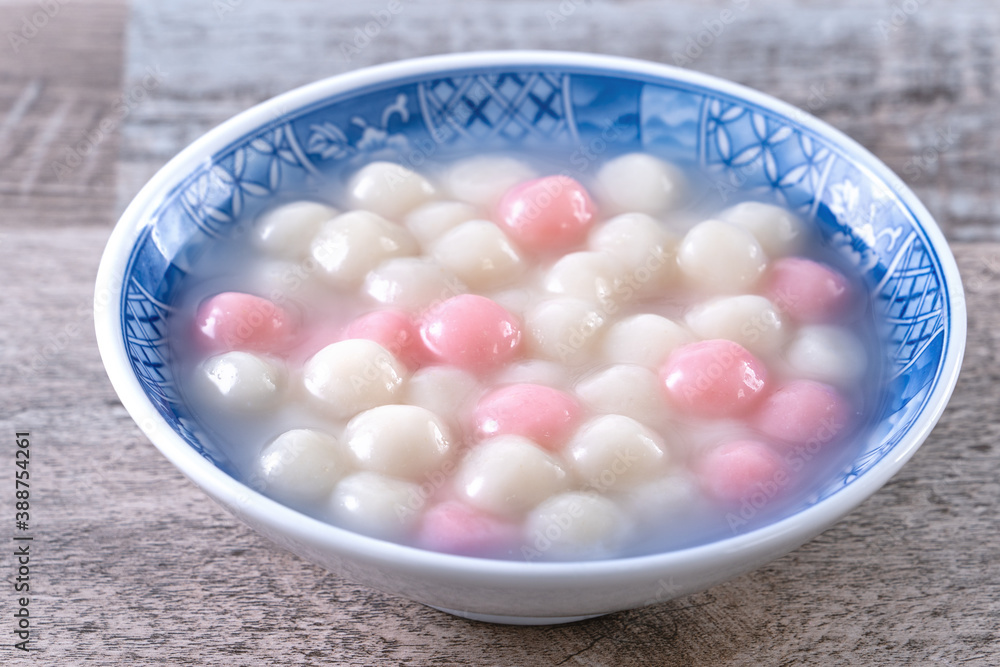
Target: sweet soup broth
(493, 359)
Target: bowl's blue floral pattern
(589, 116)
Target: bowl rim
(792, 530)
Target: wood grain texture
(135, 566)
(60, 108)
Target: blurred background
(914, 81)
(137, 566)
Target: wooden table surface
(131, 564)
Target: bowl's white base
(515, 620)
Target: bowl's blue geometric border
(590, 115)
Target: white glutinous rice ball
(828, 354)
(639, 183)
(624, 389)
(575, 525)
(404, 441)
(412, 283)
(353, 375)
(670, 497)
(612, 452)
(645, 248)
(590, 276)
(431, 221)
(779, 231)
(347, 247)
(388, 189)
(747, 319)
(288, 281)
(301, 465)
(285, 232)
(508, 475)
(645, 339)
(480, 254)
(242, 381)
(535, 371)
(444, 390)
(721, 258)
(374, 504)
(516, 300)
(484, 180)
(564, 330)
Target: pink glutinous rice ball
(542, 414)
(735, 471)
(472, 332)
(803, 411)
(808, 292)
(454, 527)
(395, 331)
(713, 379)
(547, 214)
(237, 321)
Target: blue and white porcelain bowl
(584, 105)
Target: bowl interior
(588, 112)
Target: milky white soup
(495, 359)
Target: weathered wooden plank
(60, 110)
